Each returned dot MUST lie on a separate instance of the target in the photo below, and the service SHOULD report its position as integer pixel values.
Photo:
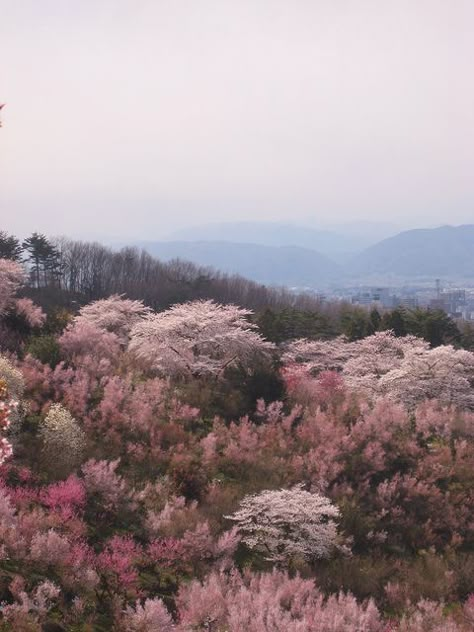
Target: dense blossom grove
(133, 498)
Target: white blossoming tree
(198, 338)
(288, 523)
(12, 386)
(443, 373)
(63, 440)
(404, 369)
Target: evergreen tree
(375, 321)
(43, 257)
(434, 325)
(354, 323)
(395, 320)
(10, 247)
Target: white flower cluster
(63, 439)
(288, 522)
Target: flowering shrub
(270, 601)
(33, 314)
(151, 616)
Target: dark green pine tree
(434, 325)
(375, 321)
(396, 321)
(10, 247)
(43, 258)
(268, 325)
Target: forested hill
(276, 265)
(62, 271)
(68, 274)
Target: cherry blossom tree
(115, 314)
(402, 368)
(101, 331)
(83, 341)
(12, 387)
(5, 411)
(12, 276)
(198, 338)
(319, 355)
(287, 523)
(443, 373)
(375, 356)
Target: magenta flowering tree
(198, 339)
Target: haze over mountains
(298, 256)
(337, 242)
(447, 251)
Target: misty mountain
(338, 243)
(447, 251)
(274, 265)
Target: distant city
(457, 302)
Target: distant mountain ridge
(273, 265)
(445, 252)
(434, 252)
(338, 243)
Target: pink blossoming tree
(198, 338)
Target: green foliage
(10, 247)
(57, 320)
(286, 324)
(433, 325)
(46, 349)
(44, 259)
(354, 323)
(467, 336)
(395, 320)
(375, 320)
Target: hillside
(274, 265)
(161, 471)
(444, 251)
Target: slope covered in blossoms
(174, 471)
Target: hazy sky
(129, 118)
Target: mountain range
(338, 242)
(295, 256)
